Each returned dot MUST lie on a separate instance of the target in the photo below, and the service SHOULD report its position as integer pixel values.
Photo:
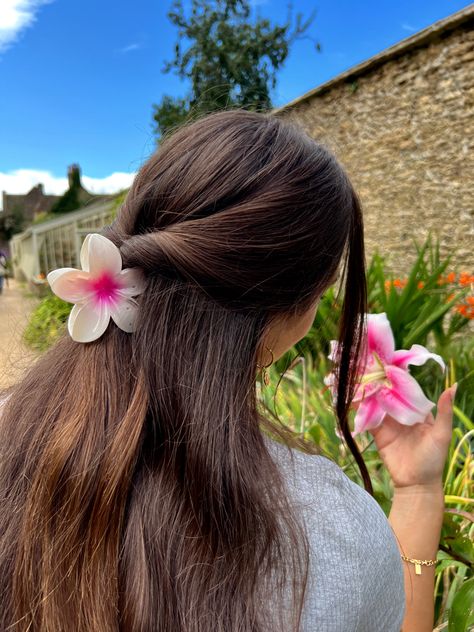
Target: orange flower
(465, 278)
(440, 280)
(451, 278)
(421, 285)
(462, 309)
(387, 284)
(398, 283)
(470, 300)
(470, 314)
(450, 298)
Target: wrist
(413, 499)
(434, 488)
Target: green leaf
(461, 615)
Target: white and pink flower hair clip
(100, 291)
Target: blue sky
(78, 78)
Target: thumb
(443, 426)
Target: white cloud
(15, 17)
(130, 47)
(21, 181)
(409, 27)
(111, 184)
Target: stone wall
(404, 128)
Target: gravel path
(15, 309)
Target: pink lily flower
(385, 384)
(100, 291)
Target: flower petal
(369, 415)
(70, 285)
(334, 350)
(329, 379)
(133, 281)
(366, 390)
(380, 336)
(404, 400)
(417, 355)
(98, 253)
(125, 314)
(88, 322)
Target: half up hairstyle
(137, 490)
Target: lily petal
(88, 322)
(366, 390)
(417, 355)
(329, 379)
(70, 285)
(333, 350)
(404, 400)
(98, 253)
(369, 415)
(380, 337)
(125, 314)
(133, 281)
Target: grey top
(355, 581)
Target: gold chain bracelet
(419, 563)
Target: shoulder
(308, 474)
(351, 542)
(323, 491)
(320, 487)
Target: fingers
(444, 418)
(429, 419)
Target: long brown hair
(137, 491)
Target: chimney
(74, 175)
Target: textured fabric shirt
(355, 581)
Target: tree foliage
(230, 61)
(12, 223)
(67, 202)
(70, 200)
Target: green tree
(67, 202)
(12, 223)
(231, 62)
(70, 200)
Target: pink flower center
(105, 288)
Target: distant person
(3, 270)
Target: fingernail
(453, 391)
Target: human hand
(415, 455)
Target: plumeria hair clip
(100, 291)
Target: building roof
(417, 40)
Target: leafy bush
(47, 322)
